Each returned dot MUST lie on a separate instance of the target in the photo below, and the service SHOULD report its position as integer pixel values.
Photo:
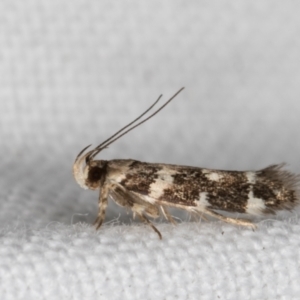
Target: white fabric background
(73, 72)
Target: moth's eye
(95, 174)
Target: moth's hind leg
(167, 215)
(230, 220)
(149, 209)
(145, 220)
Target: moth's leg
(102, 205)
(138, 206)
(195, 214)
(167, 215)
(230, 220)
(145, 220)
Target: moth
(148, 189)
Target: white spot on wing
(214, 176)
(254, 205)
(202, 203)
(251, 176)
(118, 170)
(164, 181)
(117, 177)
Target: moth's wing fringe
(277, 173)
(289, 181)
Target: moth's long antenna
(110, 140)
(123, 128)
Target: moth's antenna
(123, 128)
(110, 140)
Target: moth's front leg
(102, 205)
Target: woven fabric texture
(74, 72)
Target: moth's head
(88, 172)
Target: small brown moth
(148, 189)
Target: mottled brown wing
(249, 192)
(188, 186)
